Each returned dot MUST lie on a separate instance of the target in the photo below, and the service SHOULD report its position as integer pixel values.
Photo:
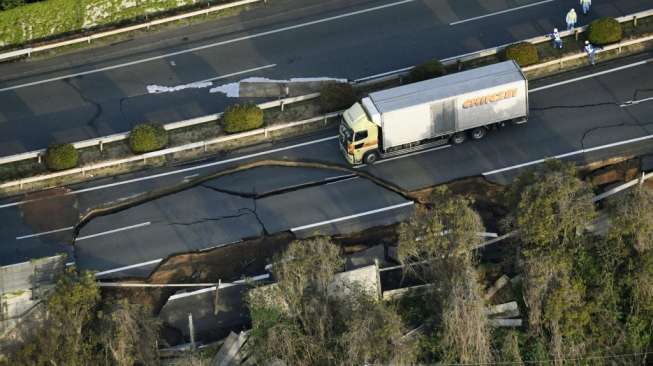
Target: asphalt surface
(579, 114)
(99, 91)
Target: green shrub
(147, 137)
(523, 53)
(427, 70)
(336, 97)
(61, 157)
(603, 31)
(242, 117)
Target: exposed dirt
(227, 263)
(485, 195)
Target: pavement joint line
(502, 12)
(44, 233)
(113, 231)
(639, 63)
(345, 218)
(197, 167)
(211, 45)
(131, 266)
(577, 152)
(328, 179)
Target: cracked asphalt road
(222, 210)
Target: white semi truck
(432, 112)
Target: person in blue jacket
(585, 4)
(591, 52)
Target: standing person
(571, 19)
(557, 41)
(585, 4)
(591, 51)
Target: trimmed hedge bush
(61, 157)
(242, 117)
(147, 137)
(603, 31)
(523, 53)
(336, 97)
(428, 70)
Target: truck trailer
(433, 112)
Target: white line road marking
(635, 102)
(113, 231)
(120, 269)
(345, 218)
(640, 63)
(215, 163)
(502, 12)
(44, 233)
(577, 152)
(211, 45)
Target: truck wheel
(370, 157)
(458, 138)
(478, 133)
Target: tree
(78, 330)
(549, 207)
(297, 320)
(437, 246)
(63, 339)
(128, 334)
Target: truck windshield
(346, 133)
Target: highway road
(99, 91)
(580, 116)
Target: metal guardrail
(30, 50)
(142, 157)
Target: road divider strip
(345, 218)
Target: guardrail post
(642, 178)
(101, 145)
(576, 33)
(39, 157)
(281, 105)
(634, 20)
(265, 132)
(325, 119)
(205, 147)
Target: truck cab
(359, 136)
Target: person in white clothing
(571, 19)
(557, 41)
(591, 52)
(585, 4)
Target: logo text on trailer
(494, 97)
